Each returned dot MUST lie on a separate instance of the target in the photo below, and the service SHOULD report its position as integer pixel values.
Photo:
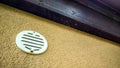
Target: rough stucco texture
(68, 48)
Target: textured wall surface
(68, 48)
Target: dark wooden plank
(102, 7)
(71, 14)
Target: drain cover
(31, 42)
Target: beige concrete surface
(68, 48)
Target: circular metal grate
(31, 42)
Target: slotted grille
(31, 42)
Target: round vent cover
(31, 42)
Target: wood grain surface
(68, 48)
(73, 14)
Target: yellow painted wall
(68, 47)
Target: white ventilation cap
(31, 42)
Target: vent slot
(33, 37)
(31, 42)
